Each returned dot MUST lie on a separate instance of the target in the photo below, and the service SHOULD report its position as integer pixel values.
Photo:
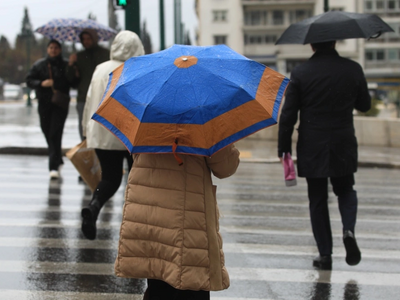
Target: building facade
(251, 27)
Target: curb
(43, 151)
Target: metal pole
(132, 16)
(162, 26)
(177, 21)
(28, 59)
(326, 5)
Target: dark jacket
(40, 72)
(86, 63)
(326, 89)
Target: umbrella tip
(184, 58)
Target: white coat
(125, 45)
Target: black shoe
(323, 262)
(89, 215)
(353, 254)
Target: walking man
(81, 67)
(325, 90)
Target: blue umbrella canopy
(69, 29)
(190, 99)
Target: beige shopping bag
(86, 162)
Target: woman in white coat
(110, 151)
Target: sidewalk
(20, 134)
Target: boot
(323, 262)
(353, 254)
(89, 215)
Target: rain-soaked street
(265, 226)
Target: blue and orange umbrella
(189, 99)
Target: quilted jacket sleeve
(225, 162)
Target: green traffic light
(122, 2)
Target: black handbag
(60, 99)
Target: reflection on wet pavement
(268, 243)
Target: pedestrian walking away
(110, 150)
(81, 66)
(325, 90)
(170, 232)
(46, 76)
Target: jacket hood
(92, 33)
(126, 45)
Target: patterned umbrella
(70, 29)
(190, 99)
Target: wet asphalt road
(265, 226)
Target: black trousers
(319, 212)
(52, 120)
(159, 290)
(111, 162)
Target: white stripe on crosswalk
(223, 228)
(228, 247)
(50, 295)
(295, 275)
(248, 274)
(40, 295)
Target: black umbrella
(332, 26)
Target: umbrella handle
(174, 146)
(375, 36)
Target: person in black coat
(325, 90)
(52, 117)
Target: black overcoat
(325, 90)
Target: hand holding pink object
(289, 170)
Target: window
(277, 17)
(368, 5)
(299, 14)
(256, 17)
(337, 9)
(369, 55)
(391, 4)
(219, 39)
(393, 54)
(380, 55)
(270, 39)
(220, 15)
(380, 5)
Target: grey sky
(41, 11)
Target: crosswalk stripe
(223, 228)
(245, 248)
(229, 229)
(250, 274)
(332, 277)
(49, 295)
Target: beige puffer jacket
(170, 227)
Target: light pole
(132, 16)
(162, 26)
